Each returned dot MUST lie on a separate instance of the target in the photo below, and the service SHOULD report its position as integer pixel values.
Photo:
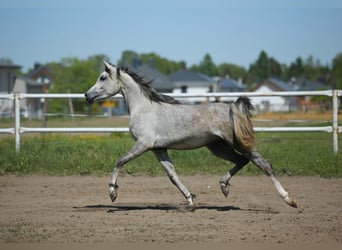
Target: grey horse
(159, 122)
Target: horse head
(107, 85)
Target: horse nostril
(85, 94)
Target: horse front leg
(137, 150)
(166, 162)
(266, 167)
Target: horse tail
(242, 124)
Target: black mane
(146, 87)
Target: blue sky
(230, 31)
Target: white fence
(17, 130)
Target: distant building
(8, 76)
(287, 103)
(37, 80)
(305, 102)
(186, 81)
(43, 75)
(274, 103)
(230, 85)
(302, 84)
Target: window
(184, 89)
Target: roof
(40, 70)
(189, 76)
(276, 85)
(299, 84)
(231, 84)
(159, 81)
(8, 64)
(302, 84)
(281, 85)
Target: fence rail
(335, 129)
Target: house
(186, 81)
(274, 103)
(230, 85)
(301, 84)
(32, 106)
(42, 75)
(37, 81)
(306, 102)
(8, 76)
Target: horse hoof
(225, 189)
(190, 208)
(291, 202)
(112, 193)
(187, 208)
(113, 196)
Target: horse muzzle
(89, 100)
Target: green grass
(289, 153)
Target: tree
(163, 65)
(275, 68)
(311, 70)
(314, 71)
(97, 61)
(5, 60)
(284, 72)
(206, 66)
(232, 71)
(260, 70)
(127, 57)
(337, 71)
(296, 69)
(73, 75)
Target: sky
(230, 31)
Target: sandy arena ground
(76, 209)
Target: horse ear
(108, 67)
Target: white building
(8, 76)
(186, 81)
(273, 103)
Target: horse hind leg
(166, 162)
(223, 150)
(224, 182)
(266, 167)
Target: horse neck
(133, 95)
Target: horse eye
(102, 78)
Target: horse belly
(187, 142)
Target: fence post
(17, 121)
(335, 121)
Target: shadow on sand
(159, 207)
